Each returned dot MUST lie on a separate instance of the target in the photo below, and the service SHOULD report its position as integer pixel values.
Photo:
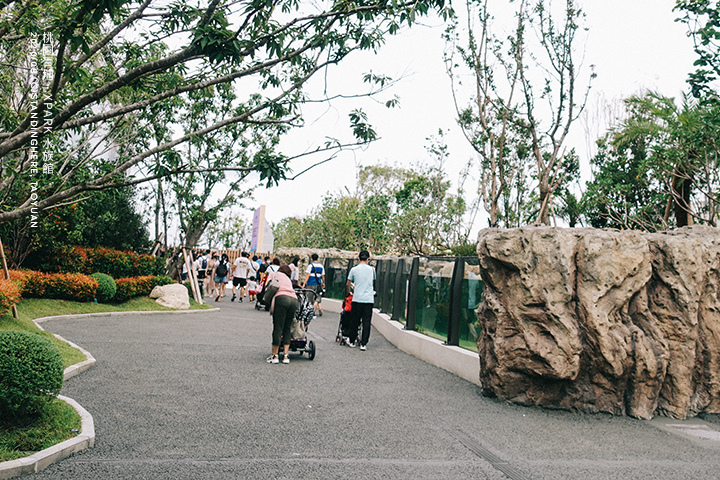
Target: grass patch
(22, 437)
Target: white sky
(634, 45)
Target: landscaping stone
(174, 296)
(602, 320)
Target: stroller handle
(307, 293)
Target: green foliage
(622, 193)
(465, 250)
(395, 210)
(660, 168)
(106, 287)
(31, 372)
(130, 86)
(92, 222)
(703, 21)
(128, 288)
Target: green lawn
(59, 421)
(22, 437)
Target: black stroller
(259, 303)
(343, 333)
(304, 315)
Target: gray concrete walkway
(191, 397)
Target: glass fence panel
(472, 287)
(404, 279)
(335, 279)
(433, 307)
(390, 288)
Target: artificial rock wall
(602, 320)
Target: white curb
(40, 460)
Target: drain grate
(497, 462)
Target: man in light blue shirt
(361, 280)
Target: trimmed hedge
(128, 288)
(106, 287)
(63, 286)
(71, 286)
(117, 264)
(84, 288)
(31, 372)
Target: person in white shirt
(240, 275)
(361, 280)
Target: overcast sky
(634, 45)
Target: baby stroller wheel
(311, 349)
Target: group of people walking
(248, 276)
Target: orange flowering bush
(71, 286)
(33, 284)
(112, 262)
(9, 295)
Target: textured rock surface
(602, 320)
(174, 295)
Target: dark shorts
(317, 288)
(239, 281)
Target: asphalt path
(190, 396)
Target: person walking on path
(220, 272)
(295, 276)
(361, 281)
(315, 280)
(212, 288)
(240, 275)
(284, 305)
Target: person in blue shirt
(361, 280)
(315, 281)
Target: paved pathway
(191, 397)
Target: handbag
(297, 330)
(271, 289)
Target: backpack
(221, 269)
(204, 263)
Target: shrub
(34, 284)
(31, 372)
(71, 286)
(187, 285)
(9, 295)
(19, 277)
(115, 263)
(106, 287)
(162, 280)
(128, 288)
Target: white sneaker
(286, 359)
(351, 344)
(363, 347)
(273, 359)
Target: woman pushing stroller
(284, 305)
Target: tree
(703, 20)
(660, 168)
(503, 120)
(92, 222)
(109, 63)
(230, 231)
(489, 119)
